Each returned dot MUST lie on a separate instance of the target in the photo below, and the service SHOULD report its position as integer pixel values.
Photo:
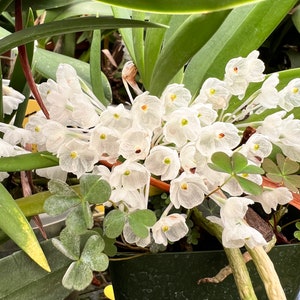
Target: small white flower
(76, 157)
(182, 126)
(217, 137)
(117, 117)
(163, 161)
(147, 111)
(175, 96)
(187, 190)
(206, 114)
(239, 72)
(290, 95)
(257, 148)
(270, 198)
(169, 228)
(15, 135)
(130, 175)
(11, 99)
(135, 144)
(215, 92)
(105, 142)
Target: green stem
(235, 258)
(267, 273)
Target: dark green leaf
(66, 26)
(75, 221)
(178, 6)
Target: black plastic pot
(167, 276)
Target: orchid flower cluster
(173, 138)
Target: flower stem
(267, 273)
(235, 258)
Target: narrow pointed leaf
(55, 28)
(16, 226)
(28, 161)
(178, 6)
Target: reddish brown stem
(24, 60)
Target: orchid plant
(191, 149)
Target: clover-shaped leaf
(110, 248)
(283, 172)
(113, 223)
(68, 243)
(75, 221)
(221, 162)
(249, 186)
(59, 187)
(58, 204)
(92, 254)
(297, 232)
(78, 276)
(94, 189)
(140, 221)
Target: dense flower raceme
(172, 137)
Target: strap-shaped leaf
(178, 6)
(244, 30)
(28, 161)
(66, 26)
(16, 226)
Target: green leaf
(249, 186)
(251, 169)
(172, 58)
(275, 177)
(55, 28)
(178, 6)
(56, 204)
(78, 276)
(94, 189)
(221, 162)
(75, 221)
(113, 223)
(32, 281)
(286, 165)
(61, 188)
(28, 161)
(87, 215)
(92, 254)
(110, 249)
(256, 22)
(16, 226)
(71, 242)
(140, 221)
(270, 167)
(239, 162)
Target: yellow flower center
(212, 91)
(245, 175)
(184, 122)
(102, 136)
(184, 186)
(73, 154)
(256, 147)
(37, 129)
(116, 116)
(127, 173)
(295, 90)
(167, 161)
(165, 228)
(173, 97)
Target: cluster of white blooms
(172, 137)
